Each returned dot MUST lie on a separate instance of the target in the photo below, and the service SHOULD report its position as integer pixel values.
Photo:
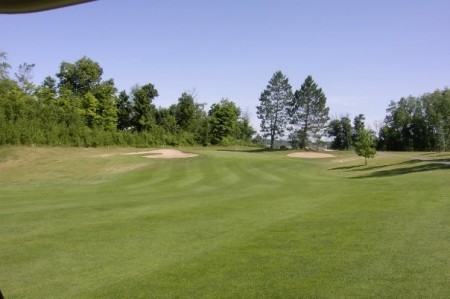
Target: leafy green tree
(45, 94)
(186, 112)
(81, 76)
(437, 114)
(165, 118)
(124, 110)
(272, 110)
(105, 93)
(341, 131)
(309, 112)
(200, 128)
(80, 81)
(50, 83)
(365, 146)
(143, 108)
(223, 120)
(47, 91)
(406, 127)
(90, 106)
(202, 133)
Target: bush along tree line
(79, 108)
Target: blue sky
(363, 54)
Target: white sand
(163, 154)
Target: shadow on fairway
(405, 170)
(435, 155)
(445, 160)
(388, 165)
(346, 167)
(362, 167)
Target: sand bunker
(163, 154)
(309, 155)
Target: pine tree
(272, 110)
(309, 112)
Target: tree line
(79, 108)
(411, 124)
(417, 123)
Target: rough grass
(87, 223)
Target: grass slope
(90, 223)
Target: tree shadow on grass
(405, 170)
(443, 161)
(388, 165)
(441, 154)
(363, 167)
(346, 167)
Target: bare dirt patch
(163, 154)
(310, 155)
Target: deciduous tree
(365, 146)
(341, 131)
(143, 107)
(81, 76)
(186, 112)
(223, 121)
(124, 109)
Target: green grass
(226, 224)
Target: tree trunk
(272, 139)
(365, 160)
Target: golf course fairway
(245, 223)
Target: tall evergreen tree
(272, 110)
(309, 112)
(358, 124)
